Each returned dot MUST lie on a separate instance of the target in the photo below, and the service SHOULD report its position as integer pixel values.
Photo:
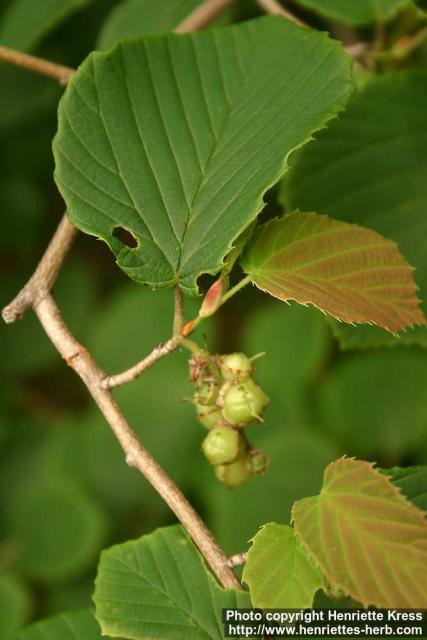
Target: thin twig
(43, 279)
(202, 15)
(237, 559)
(178, 316)
(36, 65)
(45, 275)
(159, 352)
(136, 455)
(274, 7)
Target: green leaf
(279, 572)
(78, 625)
(370, 168)
(15, 606)
(357, 12)
(367, 538)
(135, 17)
(350, 272)
(25, 22)
(58, 529)
(203, 134)
(375, 404)
(158, 587)
(412, 482)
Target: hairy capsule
(221, 445)
(235, 366)
(243, 402)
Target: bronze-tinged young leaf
(279, 571)
(368, 539)
(176, 138)
(350, 272)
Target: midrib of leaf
(216, 135)
(147, 155)
(216, 151)
(173, 603)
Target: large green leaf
(370, 168)
(367, 538)
(15, 606)
(78, 625)
(25, 21)
(356, 11)
(279, 571)
(412, 482)
(158, 587)
(135, 17)
(350, 272)
(176, 138)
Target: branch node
(237, 559)
(130, 461)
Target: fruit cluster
(226, 401)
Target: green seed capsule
(258, 462)
(210, 417)
(243, 403)
(235, 473)
(235, 366)
(207, 393)
(221, 445)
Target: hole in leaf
(125, 236)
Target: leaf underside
(176, 138)
(279, 571)
(350, 272)
(158, 587)
(367, 538)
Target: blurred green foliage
(65, 489)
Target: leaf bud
(212, 300)
(221, 445)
